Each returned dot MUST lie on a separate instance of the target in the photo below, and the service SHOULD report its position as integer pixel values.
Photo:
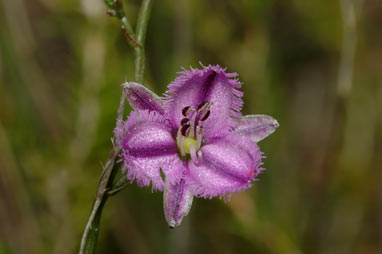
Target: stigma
(189, 136)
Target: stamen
(199, 154)
(189, 136)
(185, 129)
(203, 105)
(186, 110)
(199, 137)
(194, 157)
(184, 121)
(205, 116)
(192, 123)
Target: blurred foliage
(313, 65)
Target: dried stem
(106, 186)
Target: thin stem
(126, 24)
(116, 10)
(143, 20)
(139, 64)
(106, 186)
(130, 39)
(90, 236)
(118, 185)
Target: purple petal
(256, 127)
(142, 98)
(177, 201)
(228, 165)
(209, 84)
(147, 146)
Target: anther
(202, 105)
(199, 137)
(184, 121)
(192, 123)
(205, 116)
(194, 157)
(185, 130)
(186, 110)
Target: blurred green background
(314, 65)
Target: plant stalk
(143, 20)
(106, 185)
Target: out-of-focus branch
(336, 121)
(19, 228)
(345, 74)
(24, 46)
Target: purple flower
(193, 141)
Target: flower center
(189, 137)
(189, 142)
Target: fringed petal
(177, 201)
(213, 84)
(256, 127)
(141, 98)
(228, 165)
(148, 147)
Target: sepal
(141, 98)
(256, 127)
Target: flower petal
(256, 127)
(228, 165)
(147, 146)
(177, 201)
(142, 98)
(212, 84)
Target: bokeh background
(316, 66)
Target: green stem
(139, 64)
(119, 185)
(143, 20)
(126, 24)
(116, 10)
(90, 236)
(106, 186)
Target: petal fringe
(228, 165)
(212, 84)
